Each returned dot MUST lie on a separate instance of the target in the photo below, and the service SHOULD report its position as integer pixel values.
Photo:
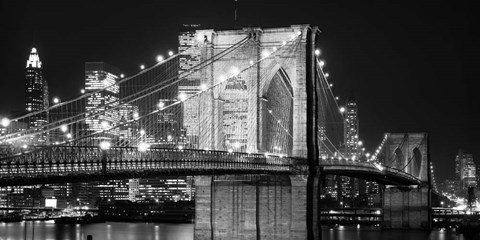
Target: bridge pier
(406, 207)
(250, 207)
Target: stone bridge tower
(284, 84)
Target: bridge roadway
(57, 164)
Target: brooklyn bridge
(261, 127)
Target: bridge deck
(78, 163)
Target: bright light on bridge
(82, 91)
(170, 53)
(203, 87)
(342, 109)
(64, 128)
(56, 100)
(5, 122)
(105, 145)
(142, 147)
(265, 53)
(234, 70)
(122, 75)
(322, 63)
(104, 124)
(161, 104)
(160, 58)
(69, 135)
(317, 52)
(379, 167)
(182, 97)
(142, 67)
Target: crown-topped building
(36, 91)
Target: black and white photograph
(239, 119)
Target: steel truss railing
(369, 167)
(70, 162)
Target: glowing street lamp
(322, 63)
(82, 91)
(105, 124)
(69, 135)
(56, 100)
(122, 75)
(5, 122)
(265, 53)
(64, 128)
(182, 97)
(317, 52)
(105, 145)
(234, 70)
(170, 53)
(160, 58)
(342, 109)
(142, 147)
(142, 67)
(203, 87)
(136, 115)
(161, 105)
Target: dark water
(161, 231)
(99, 231)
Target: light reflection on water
(164, 231)
(367, 234)
(99, 231)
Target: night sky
(411, 66)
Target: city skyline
(382, 110)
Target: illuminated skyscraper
(100, 75)
(36, 92)
(351, 129)
(465, 171)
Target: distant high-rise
(100, 75)
(465, 171)
(351, 128)
(36, 92)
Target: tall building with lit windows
(100, 75)
(465, 172)
(36, 92)
(352, 147)
(188, 38)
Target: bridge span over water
(249, 112)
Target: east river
(48, 230)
